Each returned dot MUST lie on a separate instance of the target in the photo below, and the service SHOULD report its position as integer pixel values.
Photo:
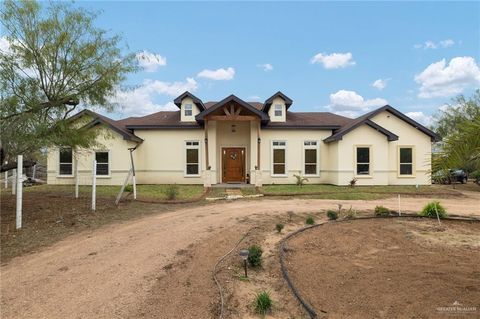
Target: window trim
(185, 147)
(59, 162)
(109, 162)
(272, 147)
(311, 147)
(190, 108)
(278, 107)
(413, 175)
(370, 163)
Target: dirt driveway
(110, 271)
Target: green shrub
(476, 176)
(381, 211)
(279, 227)
(128, 188)
(263, 302)
(332, 215)
(431, 209)
(171, 191)
(255, 256)
(310, 220)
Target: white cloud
(219, 74)
(150, 61)
(435, 45)
(380, 83)
(254, 98)
(4, 45)
(141, 100)
(266, 67)
(420, 117)
(334, 60)
(351, 104)
(441, 80)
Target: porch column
(258, 171)
(207, 164)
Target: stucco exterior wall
(195, 110)
(271, 111)
(119, 161)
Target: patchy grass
(248, 191)
(217, 192)
(322, 191)
(160, 192)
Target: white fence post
(34, 172)
(94, 184)
(19, 191)
(6, 179)
(14, 181)
(76, 178)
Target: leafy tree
(460, 111)
(57, 61)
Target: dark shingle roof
(324, 120)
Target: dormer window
(278, 110)
(188, 109)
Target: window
(279, 157)
(363, 160)
(66, 161)
(102, 163)
(278, 110)
(310, 157)
(188, 110)
(192, 158)
(406, 160)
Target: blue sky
(325, 56)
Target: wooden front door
(233, 165)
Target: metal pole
(76, 177)
(19, 191)
(34, 172)
(6, 179)
(94, 184)
(14, 181)
(245, 265)
(436, 210)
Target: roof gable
(196, 100)
(269, 101)
(228, 99)
(365, 119)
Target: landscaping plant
(300, 180)
(279, 227)
(331, 214)
(353, 182)
(171, 191)
(263, 302)
(381, 211)
(351, 213)
(255, 256)
(309, 220)
(129, 188)
(431, 209)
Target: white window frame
(188, 107)
(278, 107)
(399, 163)
(311, 147)
(370, 162)
(274, 147)
(108, 163)
(192, 144)
(59, 163)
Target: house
(234, 141)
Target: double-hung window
(363, 160)
(310, 149)
(278, 110)
(188, 109)
(192, 162)
(103, 166)
(405, 160)
(279, 155)
(66, 161)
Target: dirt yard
(156, 261)
(387, 268)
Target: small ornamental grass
(171, 191)
(332, 215)
(279, 227)
(381, 211)
(310, 220)
(431, 209)
(263, 302)
(255, 256)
